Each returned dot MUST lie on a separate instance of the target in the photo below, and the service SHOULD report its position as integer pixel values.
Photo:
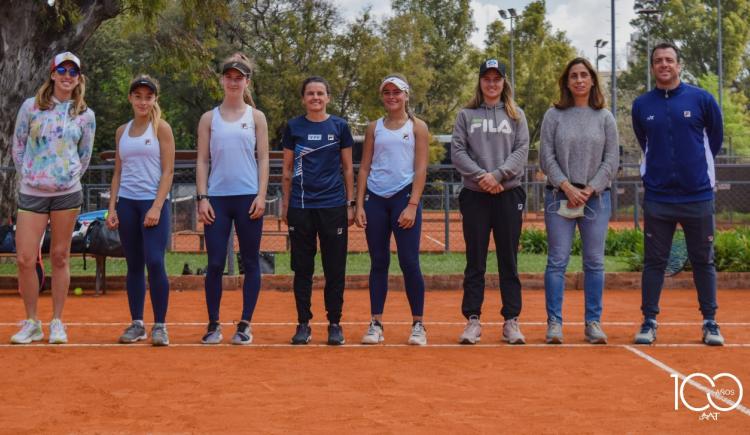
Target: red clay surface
(94, 385)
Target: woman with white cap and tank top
(390, 183)
(51, 148)
(139, 207)
(232, 179)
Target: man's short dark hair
(662, 46)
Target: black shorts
(48, 204)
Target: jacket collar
(668, 93)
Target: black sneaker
(213, 334)
(303, 334)
(335, 335)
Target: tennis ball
(78, 291)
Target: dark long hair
(596, 96)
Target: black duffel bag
(100, 240)
(7, 238)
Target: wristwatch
(201, 197)
(351, 203)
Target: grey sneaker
(554, 333)
(57, 334)
(244, 334)
(418, 335)
(159, 335)
(134, 332)
(374, 334)
(213, 334)
(31, 330)
(647, 334)
(512, 332)
(711, 334)
(472, 331)
(594, 333)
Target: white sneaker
(57, 333)
(472, 332)
(418, 334)
(512, 332)
(31, 330)
(374, 334)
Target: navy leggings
(382, 220)
(228, 209)
(145, 247)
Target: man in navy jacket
(679, 128)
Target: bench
(100, 274)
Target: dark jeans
(660, 221)
(145, 248)
(306, 225)
(502, 214)
(230, 210)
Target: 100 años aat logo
(731, 396)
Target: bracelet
(201, 197)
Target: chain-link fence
(441, 227)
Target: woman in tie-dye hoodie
(52, 146)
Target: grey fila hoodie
(485, 140)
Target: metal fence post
(447, 213)
(230, 252)
(635, 206)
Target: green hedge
(732, 247)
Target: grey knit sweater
(580, 144)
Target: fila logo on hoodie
(488, 126)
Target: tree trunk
(30, 35)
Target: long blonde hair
(155, 114)
(506, 96)
(45, 93)
(247, 96)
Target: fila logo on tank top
(488, 126)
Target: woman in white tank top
(139, 206)
(231, 184)
(391, 179)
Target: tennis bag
(7, 238)
(100, 240)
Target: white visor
(396, 82)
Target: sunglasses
(72, 71)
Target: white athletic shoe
(374, 334)
(472, 332)
(57, 334)
(418, 334)
(31, 330)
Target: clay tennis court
(94, 385)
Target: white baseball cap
(396, 82)
(65, 56)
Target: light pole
(613, 59)
(646, 13)
(721, 63)
(511, 15)
(600, 43)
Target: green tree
(33, 31)
(736, 116)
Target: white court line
(427, 323)
(695, 384)
(365, 346)
(435, 240)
